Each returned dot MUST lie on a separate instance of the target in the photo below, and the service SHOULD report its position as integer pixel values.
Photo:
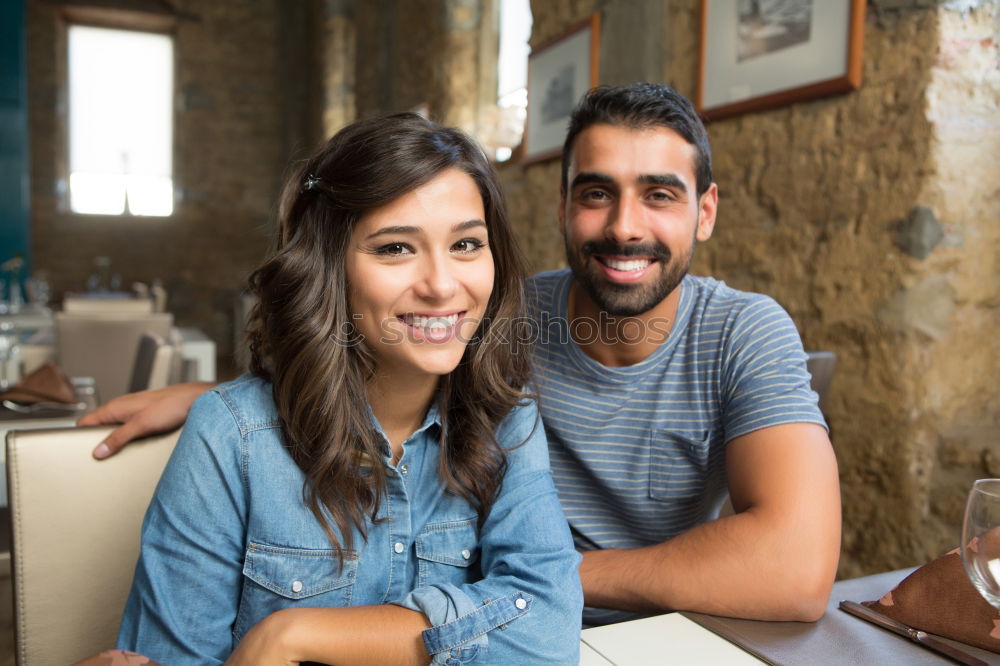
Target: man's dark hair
(642, 106)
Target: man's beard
(627, 300)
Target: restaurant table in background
(199, 349)
(35, 328)
(837, 638)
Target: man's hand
(143, 414)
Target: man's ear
(561, 213)
(708, 206)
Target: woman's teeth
(431, 323)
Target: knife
(915, 635)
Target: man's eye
(392, 249)
(468, 245)
(595, 195)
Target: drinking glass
(9, 355)
(981, 539)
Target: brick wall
(245, 104)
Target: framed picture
(758, 54)
(559, 72)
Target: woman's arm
(187, 582)
(368, 635)
(527, 607)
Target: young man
(659, 391)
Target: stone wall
(245, 105)
(871, 216)
(826, 205)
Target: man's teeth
(431, 322)
(627, 266)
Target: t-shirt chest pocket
(276, 577)
(678, 465)
(448, 553)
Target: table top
(837, 638)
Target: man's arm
(143, 414)
(774, 559)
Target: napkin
(939, 598)
(46, 384)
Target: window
(120, 121)
(512, 73)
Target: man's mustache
(657, 251)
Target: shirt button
(399, 547)
(403, 469)
(521, 604)
(466, 554)
(297, 586)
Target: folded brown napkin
(46, 384)
(939, 598)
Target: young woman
(377, 490)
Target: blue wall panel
(14, 220)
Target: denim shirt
(228, 540)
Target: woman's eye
(392, 249)
(468, 245)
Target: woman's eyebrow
(468, 224)
(393, 230)
(399, 230)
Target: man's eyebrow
(402, 230)
(665, 179)
(595, 178)
(591, 178)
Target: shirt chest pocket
(276, 577)
(678, 466)
(448, 553)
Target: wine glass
(981, 539)
(9, 355)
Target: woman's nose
(438, 281)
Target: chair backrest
(75, 526)
(81, 305)
(105, 346)
(821, 365)
(153, 363)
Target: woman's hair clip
(311, 183)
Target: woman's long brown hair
(303, 342)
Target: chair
(83, 305)
(75, 537)
(154, 363)
(104, 346)
(821, 365)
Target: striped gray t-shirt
(638, 452)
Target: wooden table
(837, 638)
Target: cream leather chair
(75, 537)
(104, 346)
